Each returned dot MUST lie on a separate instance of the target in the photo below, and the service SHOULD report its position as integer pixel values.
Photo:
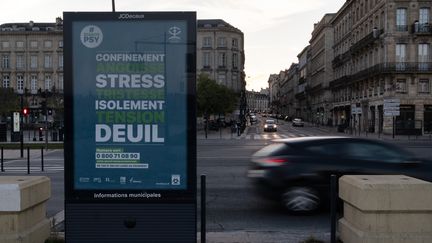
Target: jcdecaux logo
(91, 36)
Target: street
(232, 205)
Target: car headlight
(265, 126)
(275, 126)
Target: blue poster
(130, 105)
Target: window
(47, 61)
(61, 85)
(236, 82)
(60, 44)
(423, 86)
(5, 62)
(20, 62)
(33, 83)
(401, 86)
(330, 149)
(222, 60)
(60, 61)
(33, 61)
(5, 44)
(207, 42)
(6, 81)
(381, 86)
(424, 16)
(221, 78)
(234, 43)
(47, 44)
(423, 56)
(20, 44)
(235, 60)
(33, 44)
(47, 81)
(20, 83)
(206, 59)
(374, 152)
(401, 19)
(400, 56)
(222, 42)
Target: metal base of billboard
(112, 222)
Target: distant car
(297, 122)
(270, 126)
(253, 119)
(296, 171)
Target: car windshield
(270, 122)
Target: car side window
(330, 149)
(375, 152)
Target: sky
(275, 31)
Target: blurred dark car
(270, 126)
(296, 171)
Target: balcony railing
(385, 68)
(367, 40)
(401, 28)
(422, 29)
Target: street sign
(391, 107)
(356, 110)
(16, 121)
(391, 113)
(130, 124)
(392, 101)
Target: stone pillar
(385, 209)
(22, 209)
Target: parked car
(296, 172)
(270, 126)
(253, 119)
(297, 122)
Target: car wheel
(301, 199)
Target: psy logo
(91, 36)
(174, 32)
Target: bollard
(2, 168)
(42, 160)
(203, 209)
(28, 160)
(333, 207)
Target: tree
(9, 102)
(213, 98)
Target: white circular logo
(91, 36)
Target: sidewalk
(347, 132)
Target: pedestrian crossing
(271, 136)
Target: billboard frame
(73, 195)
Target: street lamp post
(21, 93)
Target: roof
(216, 23)
(32, 26)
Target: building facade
(321, 71)
(32, 59)
(302, 106)
(380, 54)
(257, 101)
(383, 53)
(220, 53)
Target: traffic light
(25, 111)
